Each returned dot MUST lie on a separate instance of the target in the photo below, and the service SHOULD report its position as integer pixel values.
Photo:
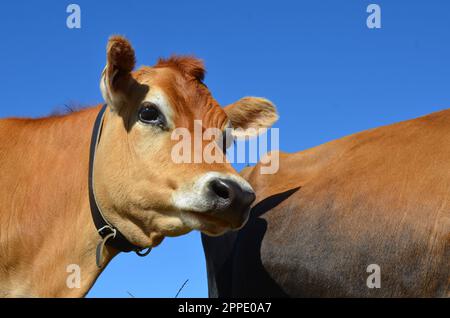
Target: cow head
(139, 186)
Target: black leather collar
(109, 233)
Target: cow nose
(232, 201)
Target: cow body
(377, 197)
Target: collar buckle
(106, 231)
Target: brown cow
(45, 216)
(342, 219)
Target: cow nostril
(221, 189)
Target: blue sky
(329, 75)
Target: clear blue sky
(329, 75)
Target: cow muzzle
(216, 199)
(232, 201)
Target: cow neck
(109, 234)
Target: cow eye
(150, 114)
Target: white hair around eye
(157, 97)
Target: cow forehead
(188, 98)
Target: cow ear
(116, 77)
(251, 114)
